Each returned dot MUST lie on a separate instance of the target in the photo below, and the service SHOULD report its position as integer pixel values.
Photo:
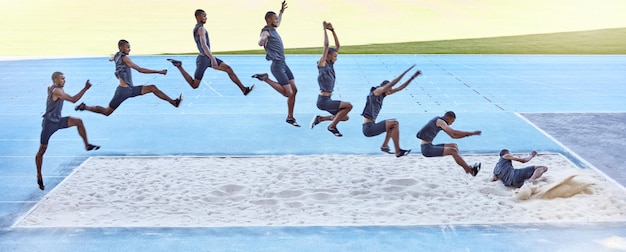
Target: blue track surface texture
(487, 93)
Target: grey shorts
(202, 64)
(49, 127)
(374, 129)
(522, 174)
(281, 72)
(432, 150)
(327, 104)
(123, 93)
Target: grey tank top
(326, 77)
(430, 130)
(373, 105)
(274, 47)
(122, 71)
(197, 39)
(504, 169)
(53, 108)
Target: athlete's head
(58, 79)
(271, 19)
(331, 56)
(449, 117)
(385, 82)
(200, 16)
(124, 46)
(504, 152)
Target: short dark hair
(503, 152)
(450, 114)
(122, 42)
(332, 50)
(198, 12)
(269, 14)
(56, 75)
(381, 84)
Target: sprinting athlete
(53, 121)
(428, 133)
(273, 44)
(326, 81)
(205, 58)
(391, 126)
(126, 89)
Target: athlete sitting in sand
(505, 172)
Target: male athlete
(205, 57)
(53, 121)
(273, 44)
(505, 172)
(430, 131)
(373, 106)
(326, 81)
(126, 89)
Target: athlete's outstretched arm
(518, 159)
(283, 6)
(132, 65)
(59, 92)
(322, 61)
(330, 27)
(388, 86)
(405, 84)
(455, 134)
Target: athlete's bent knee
(73, 121)
(149, 88)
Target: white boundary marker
(27, 213)
(574, 154)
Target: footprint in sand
(493, 191)
(321, 196)
(294, 204)
(358, 181)
(264, 202)
(392, 189)
(402, 182)
(289, 194)
(228, 190)
(232, 189)
(357, 193)
(431, 186)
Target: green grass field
(605, 41)
(92, 28)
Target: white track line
(581, 159)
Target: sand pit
(319, 190)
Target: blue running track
(509, 97)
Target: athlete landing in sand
(510, 176)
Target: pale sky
(92, 28)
